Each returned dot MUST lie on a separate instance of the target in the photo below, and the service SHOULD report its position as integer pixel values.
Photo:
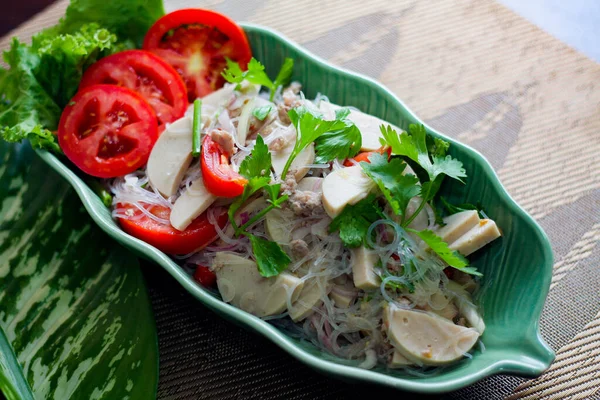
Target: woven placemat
(477, 72)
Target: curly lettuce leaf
(42, 78)
(129, 20)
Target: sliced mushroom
(398, 360)
(345, 186)
(457, 225)
(298, 166)
(465, 305)
(309, 299)
(368, 125)
(278, 224)
(192, 202)
(425, 338)
(477, 237)
(363, 268)
(171, 156)
(241, 284)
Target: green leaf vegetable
(398, 189)
(45, 75)
(342, 141)
(414, 146)
(76, 319)
(337, 138)
(354, 221)
(270, 258)
(256, 74)
(451, 257)
(261, 112)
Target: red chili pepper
(364, 156)
(218, 176)
(205, 276)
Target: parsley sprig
(414, 146)
(256, 74)
(271, 260)
(337, 138)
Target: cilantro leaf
(271, 260)
(338, 138)
(273, 192)
(451, 257)
(261, 112)
(256, 74)
(354, 221)
(401, 145)
(285, 73)
(258, 163)
(414, 146)
(437, 147)
(338, 144)
(398, 189)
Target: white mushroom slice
(477, 237)
(398, 360)
(367, 124)
(311, 183)
(345, 186)
(308, 300)
(299, 165)
(278, 224)
(252, 207)
(171, 156)
(457, 225)
(465, 305)
(241, 284)
(363, 268)
(193, 202)
(426, 338)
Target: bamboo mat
(477, 72)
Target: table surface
(521, 97)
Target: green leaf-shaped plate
(517, 268)
(75, 318)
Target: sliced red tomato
(147, 74)
(195, 42)
(164, 237)
(107, 130)
(364, 156)
(218, 176)
(204, 276)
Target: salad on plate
(315, 216)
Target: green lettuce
(45, 75)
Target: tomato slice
(204, 276)
(196, 236)
(147, 74)
(107, 131)
(195, 42)
(364, 156)
(218, 176)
